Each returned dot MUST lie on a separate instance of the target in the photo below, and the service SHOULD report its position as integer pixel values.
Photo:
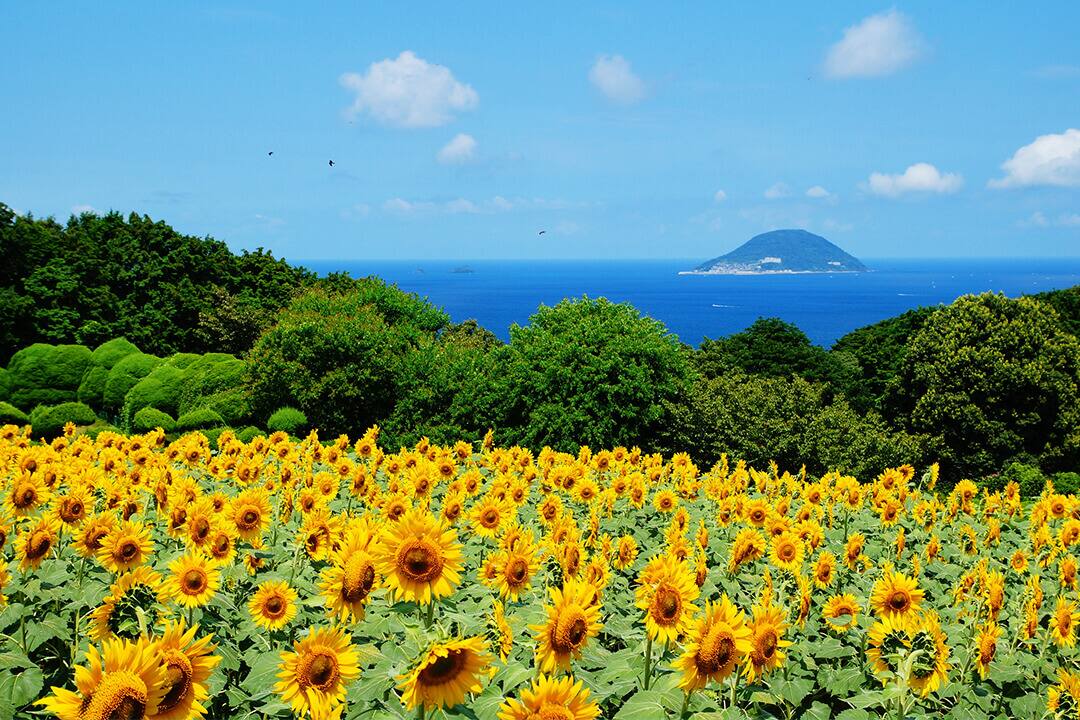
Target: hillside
(782, 251)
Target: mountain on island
(782, 251)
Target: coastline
(770, 272)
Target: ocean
(498, 293)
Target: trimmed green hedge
(199, 419)
(102, 360)
(160, 390)
(44, 374)
(149, 418)
(124, 376)
(289, 420)
(5, 384)
(11, 415)
(49, 421)
(249, 433)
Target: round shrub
(249, 433)
(44, 374)
(11, 415)
(182, 360)
(5, 384)
(233, 406)
(199, 419)
(49, 421)
(1067, 483)
(124, 375)
(160, 389)
(108, 353)
(150, 418)
(289, 420)
(211, 374)
(92, 387)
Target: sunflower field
(161, 577)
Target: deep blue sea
(497, 293)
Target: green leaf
(794, 691)
(21, 687)
(643, 705)
(263, 674)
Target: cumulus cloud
(918, 178)
(817, 192)
(1039, 219)
(879, 45)
(613, 76)
(1049, 160)
(461, 149)
(777, 191)
(408, 92)
(720, 196)
(80, 209)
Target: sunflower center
(249, 519)
(178, 673)
(358, 579)
(787, 552)
(570, 630)
(444, 669)
(899, 600)
(490, 518)
(319, 670)
(128, 551)
(39, 545)
(767, 644)
(666, 605)
(420, 561)
(202, 528)
(119, 696)
(716, 651)
(194, 581)
(274, 606)
(71, 510)
(25, 496)
(517, 570)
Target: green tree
(993, 379)
(586, 372)
(769, 347)
(338, 357)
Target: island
(781, 252)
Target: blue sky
(622, 129)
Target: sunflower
(489, 515)
(755, 512)
(853, 551)
(123, 680)
(314, 678)
(250, 511)
(787, 552)
(572, 618)
(187, 663)
(193, 580)
(766, 640)
(895, 594)
(503, 632)
(128, 607)
(419, 557)
(717, 644)
(445, 674)
(841, 612)
(72, 508)
(665, 592)
(931, 667)
(986, 646)
(126, 547)
(665, 501)
(825, 569)
(26, 494)
(348, 582)
(626, 551)
(1018, 562)
(549, 697)
(273, 606)
(887, 639)
(749, 545)
(35, 542)
(1063, 622)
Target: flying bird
(331, 163)
(270, 153)
(541, 232)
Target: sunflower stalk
(648, 660)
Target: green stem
(429, 613)
(420, 711)
(734, 685)
(685, 704)
(648, 660)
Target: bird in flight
(270, 153)
(541, 232)
(331, 163)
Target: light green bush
(160, 390)
(49, 421)
(149, 418)
(123, 376)
(249, 433)
(289, 420)
(11, 415)
(199, 419)
(44, 374)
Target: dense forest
(113, 321)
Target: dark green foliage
(44, 374)
(1067, 304)
(199, 419)
(289, 420)
(1028, 477)
(92, 388)
(992, 379)
(11, 415)
(49, 421)
(150, 418)
(772, 348)
(584, 372)
(124, 376)
(234, 405)
(338, 356)
(788, 420)
(878, 352)
(5, 384)
(100, 277)
(1067, 483)
(249, 433)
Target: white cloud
(408, 92)
(720, 196)
(461, 205)
(777, 191)
(612, 75)
(1039, 219)
(1070, 220)
(461, 149)
(817, 192)
(879, 45)
(1049, 160)
(80, 209)
(920, 177)
(458, 206)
